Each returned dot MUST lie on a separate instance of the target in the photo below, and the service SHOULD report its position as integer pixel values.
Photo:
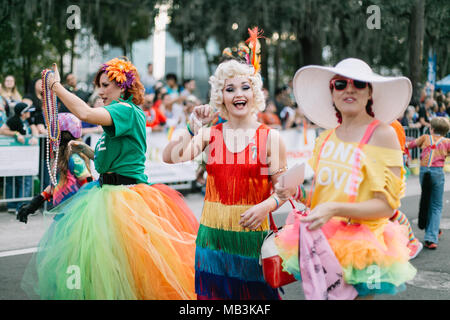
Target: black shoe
(430, 245)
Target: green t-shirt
(121, 148)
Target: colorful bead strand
(50, 110)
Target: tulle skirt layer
(117, 242)
(374, 259)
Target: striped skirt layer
(227, 256)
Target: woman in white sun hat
(358, 173)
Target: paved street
(18, 240)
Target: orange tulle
(359, 246)
(160, 244)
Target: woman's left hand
(320, 215)
(253, 217)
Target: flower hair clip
(123, 72)
(242, 52)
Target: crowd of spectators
(168, 104)
(432, 103)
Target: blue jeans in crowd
(437, 193)
(18, 187)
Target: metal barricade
(14, 187)
(413, 134)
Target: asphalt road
(432, 282)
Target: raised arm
(77, 106)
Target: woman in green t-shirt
(119, 238)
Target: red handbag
(271, 260)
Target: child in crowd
(73, 169)
(435, 148)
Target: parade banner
(431, 75)
(17, 159)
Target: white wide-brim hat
(390, 95)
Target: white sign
(17, 159)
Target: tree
(120, 23)
(416, 34)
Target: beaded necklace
(50, 109)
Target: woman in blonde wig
(242, 165)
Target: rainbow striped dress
(227, 254)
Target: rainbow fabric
(118, 243)
(227, 255)
(374, 263)
(77, 172)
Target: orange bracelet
(46, 195)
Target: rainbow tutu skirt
(374, 256)
(118, 243)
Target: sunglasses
(341, 84)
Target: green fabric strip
(247, 243)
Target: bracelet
(297, 193)
(278, 203)
(45, 195)
(51, 88)
(195, 122)
(300, 194)
(188, 126)
(280, 170)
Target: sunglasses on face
(341, 84)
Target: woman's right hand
(284, 193)
(54, 77)
(204, 113)
(200, 116)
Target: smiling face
(238, 97)
(108, 90)
(351, 100)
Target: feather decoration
(255, 47)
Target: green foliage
(311, 25)
(37, 32)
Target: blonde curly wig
(231, 69)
